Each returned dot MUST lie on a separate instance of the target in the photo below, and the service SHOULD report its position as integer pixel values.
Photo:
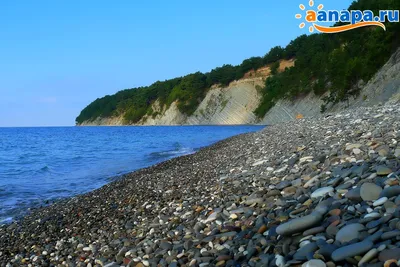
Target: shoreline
(232, 202)
(170, 125)
(168, 143)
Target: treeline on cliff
(334, 63)
(188, 91)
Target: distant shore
(237, 202)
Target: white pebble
(279, 261)
(382, 247)
(380, 201)
(302, 244)
(314, 263)
(233, 216)
(373, 215)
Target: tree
(275, 67)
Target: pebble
(383, 170)
(314, 263)
(352, 250)
(253, 200)
(389, 254)
(300, 224)
(354, 194)
(349, 232)
(322, 192)
(390, 192)
(369, 256)
(380, 201)
(370, 192)
(390, 235)
(313, 231)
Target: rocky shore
(318, 192)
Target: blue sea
(41, 165)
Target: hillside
(232, 104)
(331, 70)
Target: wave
(5, 193)
(178, 150)
(6, 220)
(45, 169)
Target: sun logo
(310, 16)
(351, 19)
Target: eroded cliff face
(222, 105)
(167, 116)
(230, 105)
(236, 103)
(111, 121)
(383, 87)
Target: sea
(44, 164)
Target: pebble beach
(312, 192)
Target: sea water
(40, 165)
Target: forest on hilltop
(334, 63)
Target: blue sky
(58, 56)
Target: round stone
(314, 263)
(389, 254)
(349, 232)
(383, 170)
(354, 195)
(390, 207)
(335, 212)
(370, 192)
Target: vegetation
(274, 68)
(188, 91)
(224, 103)
(334, 62)
(324, 62)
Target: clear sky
(58, 56)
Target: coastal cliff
(311, 75)
(230, 105)
(222, 105)
(236, 103)
(383, 87)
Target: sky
(56, 57)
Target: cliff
(235, 104)
(222, 105)
(382, 88)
